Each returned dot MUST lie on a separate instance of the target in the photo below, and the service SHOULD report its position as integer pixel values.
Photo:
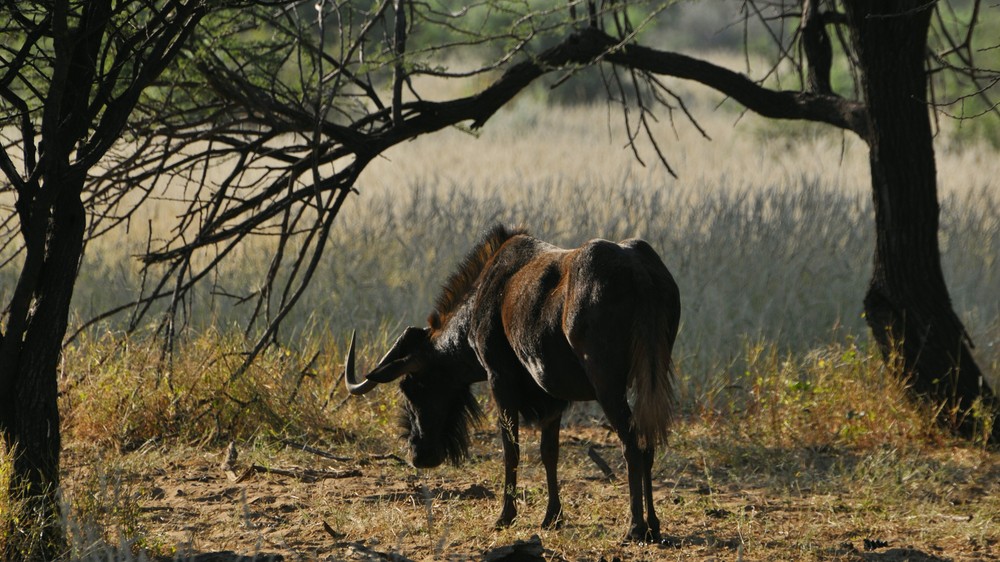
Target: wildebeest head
(439, 406)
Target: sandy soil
(300, 505)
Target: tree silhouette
(267, 112)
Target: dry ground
(717, 500)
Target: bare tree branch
(783, 104)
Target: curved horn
(399, 360)
(350, 378)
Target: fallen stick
(601, 463)
(304, 474)
(387, 457)
(315, 451)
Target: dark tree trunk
(907, 305)
(92, 89)
(53, 220)
(29, 370)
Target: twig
(388, 456)
(304, 474)
(601, 463)
(329, 530)
(315, 451)
(372, 554)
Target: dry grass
(792, 449)
(768, 229)
(797, 457)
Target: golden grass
(11, 507)
(768, 228)
(121, 393)
(796, 448)
(796, 457)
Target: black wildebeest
(545, 326)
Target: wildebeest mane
(456, 289)
(461, 416)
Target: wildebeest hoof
(503, 522)
(553, 521)
(642, 533)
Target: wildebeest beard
(461, 414)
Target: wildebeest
(544, 326)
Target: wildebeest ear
(434, 320)
(405, 356)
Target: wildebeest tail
(651, 375)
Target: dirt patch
(299, 505)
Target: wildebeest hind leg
(550, 458)
(508, 421)
(647, 487)
(620, 417)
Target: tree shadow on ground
(224, 556)
(902, 555)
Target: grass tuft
(839, 396)
(124, 392)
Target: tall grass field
(797, 442)
(768, 228)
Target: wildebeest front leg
(550, 458)
(511, 456)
